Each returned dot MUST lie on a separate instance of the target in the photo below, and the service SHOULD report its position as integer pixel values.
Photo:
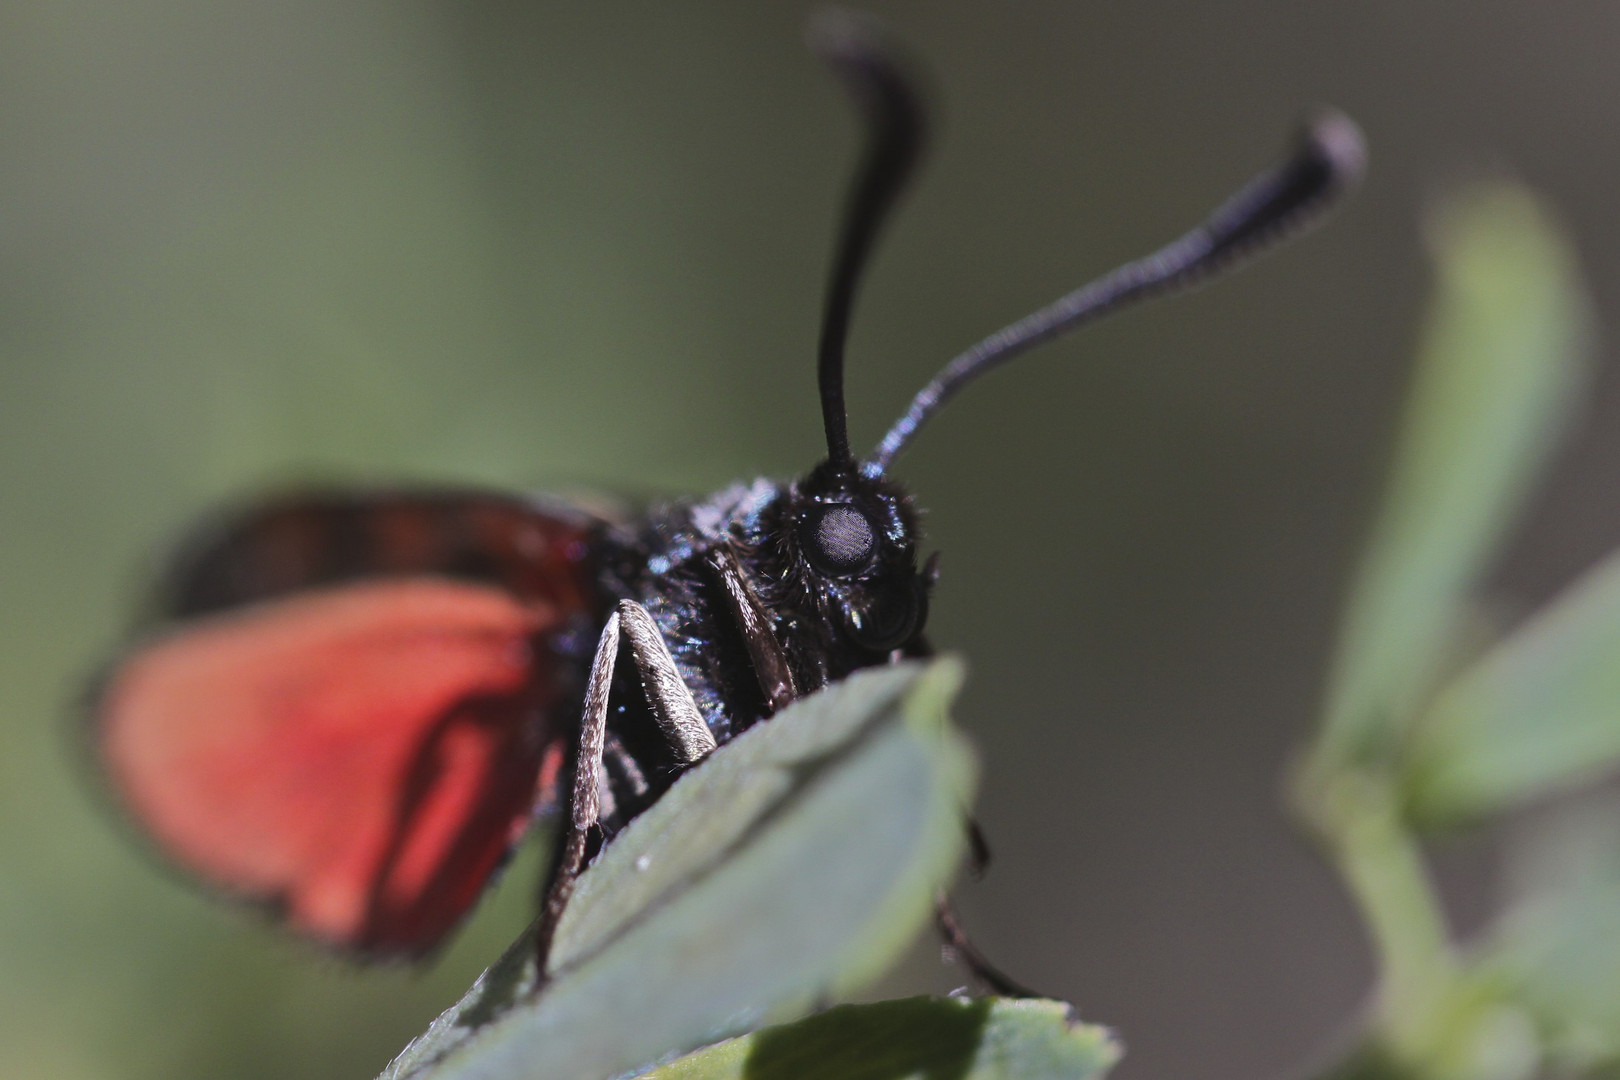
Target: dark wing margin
(534, 549)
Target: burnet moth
(353, 703)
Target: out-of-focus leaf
(1502, 356)
(1557, 946)
(1541, 711)
(982, 1039)
(792, 865)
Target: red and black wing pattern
(351, 704)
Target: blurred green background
(563, 246)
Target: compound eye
(840, 540)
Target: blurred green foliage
(1425, 731)
(1504, 354)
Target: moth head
(853, 540)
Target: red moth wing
(358, 756)
(353, 700)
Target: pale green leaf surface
(1502, 355)
(792, 865)
(1540, 712)
(926, 1038)
(1557, 946)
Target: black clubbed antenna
(860, 54)
(1275, 206)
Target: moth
(351, 704)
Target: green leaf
(1501, 358)
(1540, 712)
(1557, 947)
(789, 867)
(981, 1039)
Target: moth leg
(674, 710)
(960, 947)
(673, 706)
(955, 940)
(978, 862)
(585, 801)
(769, 659)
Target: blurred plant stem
(1358, 820)
(1433, 1017)
(1421, 1018)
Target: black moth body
(763, 592)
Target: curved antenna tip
(1337, 139)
